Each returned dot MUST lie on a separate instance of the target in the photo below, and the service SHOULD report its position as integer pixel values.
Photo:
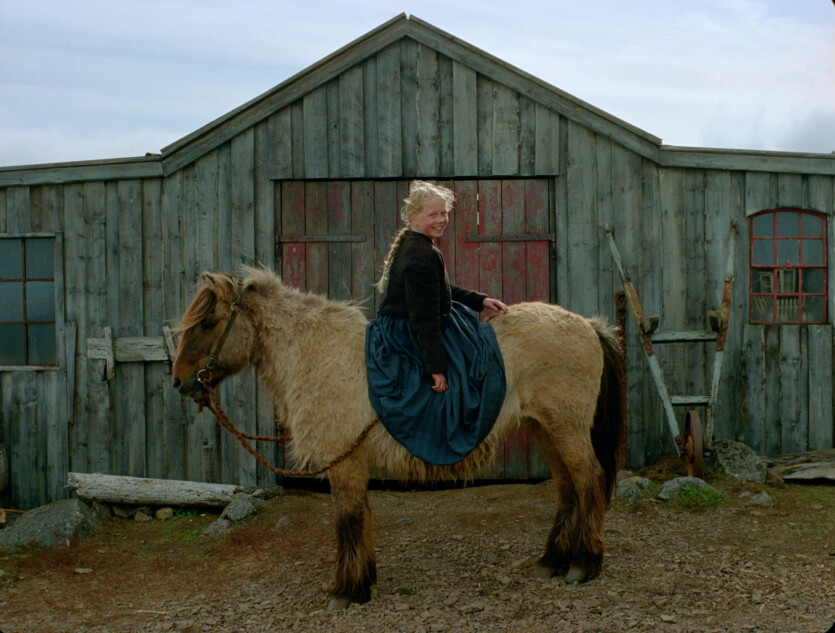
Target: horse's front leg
(356, 565)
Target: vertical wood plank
(772, 421)
(370, 116)
(333, 121)
(362, 253)
(316, 223)
(696, 379)
(389, 100)
(753, 369)
(448, 242)
(527, 136)
(464, 120)
(537, 254)
(386, 213)
(408, 107)
(339, 254)
(793, 430)
(608, 278)
(505, 131)
(465, 219)
(427, 112)
(485, 94)
(582, 220)
(819, 365)
(446, 149)
(547, 147)
(298, 138)
(351, 123)
(293, 271)
(281, 133)
(315, 133)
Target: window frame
(58, 301)
(790, 297)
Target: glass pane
(763, 281)
(787, 310)
(787, 224)
(813, 280)
(12, 351)
(11, 259)
(42, 344)
(813, 252)
(788, 251)
(39, 258)
(11, 301)
(812, 224)
(763, 309)
(763, 251)
(787, 281)
(764, 225)
(813, 309)
(40, 301)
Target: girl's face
(432, 219)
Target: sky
(102, 79)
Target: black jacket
(418, 288)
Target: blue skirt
(439, 428)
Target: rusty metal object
(691, 445)
(724, 312)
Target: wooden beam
(127, 349)
(152, 492)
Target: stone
(761, 499)
(671, 488)
(221, 526)
(163, 514)
(631, 489)
(141, 515)
(242, 508)
(281, 523)
(739, 461)
(53, 524)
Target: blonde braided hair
(420, 192)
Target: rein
(204, 377)
(214, 406)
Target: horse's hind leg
(558, 547)
(578, 527)
(356, 567)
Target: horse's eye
(208, 325)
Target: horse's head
(202, 327)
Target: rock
(83, 570)
(140, 515)
(281, 523)
(221, 526)
(739, 461)
(264, 492)
(761, 499)
(671, 488)
(631, 489)
(242, 508)
(163, 514)
(50, 525)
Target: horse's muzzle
(191, 388)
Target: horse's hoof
(575, 576)
(339, 603)
(543, 572)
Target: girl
(435, 374)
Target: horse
(563, 380)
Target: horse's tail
(607, 433)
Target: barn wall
(133, 248)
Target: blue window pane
(787, 224)
(764, 225)
(813, 252)
(42, 344)
(763, 251)
(763, 309)
(40, 301)
(11, 301)
(813, 309)
(812, 225)
(39, 258)
(12, 350)
(11, 259)
(788, 252)
(813, 280)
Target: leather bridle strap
(204, 376)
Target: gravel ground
(455, 560)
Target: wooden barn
(97, 258)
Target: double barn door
(334, 236)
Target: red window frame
(794, 290)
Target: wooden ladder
(718, 334)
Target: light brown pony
(562, 380)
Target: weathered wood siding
(135, 235)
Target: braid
(395, 244)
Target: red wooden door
(334, 237)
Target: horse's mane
(202, 303)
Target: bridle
(204, 376)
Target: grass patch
(700, 498)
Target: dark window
(27, 301)
(788, 267)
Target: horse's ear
(224, 286)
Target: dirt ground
(454, 560)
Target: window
(788, 267)
(27, 301)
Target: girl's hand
(440, 383)
(494, 304)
